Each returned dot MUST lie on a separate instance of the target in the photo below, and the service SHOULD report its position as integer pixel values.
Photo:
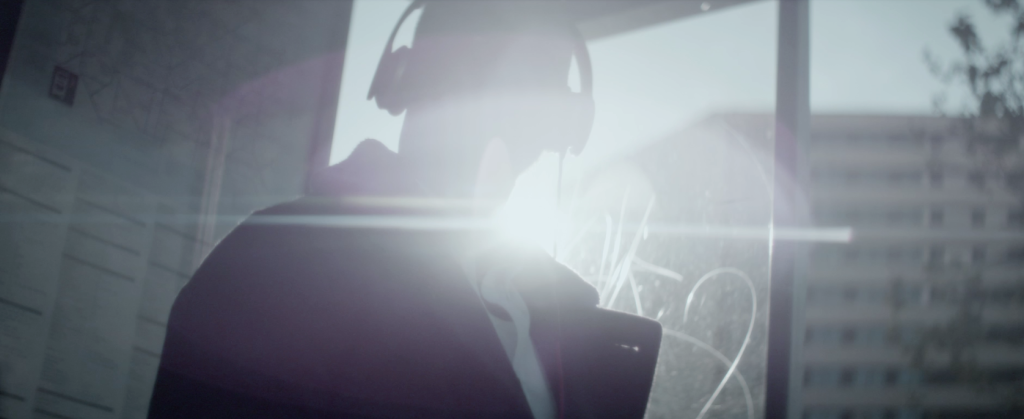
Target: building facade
(921, 314)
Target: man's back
(299, 314)
(292, 313)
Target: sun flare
(532, 215)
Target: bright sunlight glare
(531, 215)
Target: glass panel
(666, 210)
(915, 150)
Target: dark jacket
(340, 304)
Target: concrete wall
(186, 117)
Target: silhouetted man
(382, 294)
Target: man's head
(480, 71)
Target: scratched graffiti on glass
(678, 232)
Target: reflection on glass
(666, 211)
(678, 232)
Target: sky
(866, 57)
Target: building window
(936, 255)
(911, 216)
(894, 255)
(852, 255)
(822, 335)
(1015, 180)
(874, 295)
(905, 178)
(936, 218)
(1015, 218)
(976, 179)
(904, 217)
(846, 378)
(849, 335)
(892, 376)
(1006, 334)
(871, 377)
(978, 218)
(850, 294)
(935, 178)
(978, 254)
(893, 335)
(872, 336)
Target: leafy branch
(992, 122)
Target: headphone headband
(388, 82)
(580, 52)
(376, 84)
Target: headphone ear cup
(584, 120)
(388, 82)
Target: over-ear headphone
(387, 84)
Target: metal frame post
(792, 117)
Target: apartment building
(921, 315)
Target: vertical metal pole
(792, 115)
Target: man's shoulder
(301, 213)
(276, 231)
(541, 273)
(304, 205)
